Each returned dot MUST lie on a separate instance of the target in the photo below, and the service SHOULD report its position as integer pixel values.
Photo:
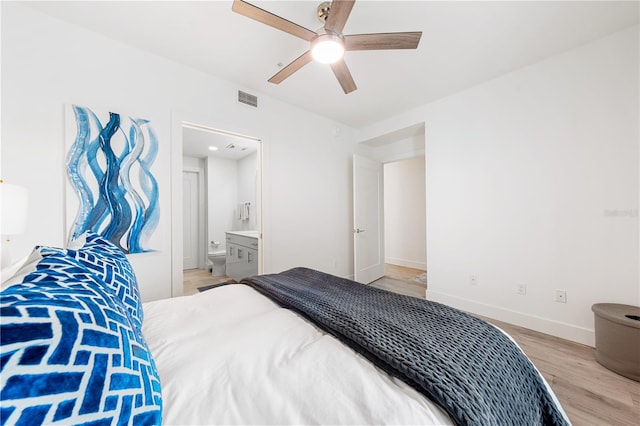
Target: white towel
(244, 211)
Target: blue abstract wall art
(109, 167)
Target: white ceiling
(463, 44)
(197, 141)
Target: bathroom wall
(192, 163)
(247, 190)
(222, 188)
(229, 183)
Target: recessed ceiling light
(213, 148)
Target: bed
(298, 347)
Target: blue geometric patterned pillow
(70, 354)
(111, 265)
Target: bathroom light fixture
(213, 148)
(327, 48)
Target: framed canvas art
(109, 167)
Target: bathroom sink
(253, 234)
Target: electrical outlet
(561, 296)
(521, 289)
(473, 279)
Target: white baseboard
(406, 263)
(543, 325)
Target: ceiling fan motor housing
(323, 11)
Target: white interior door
(190, 218)
(368, 220)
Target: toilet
(218, 258)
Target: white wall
(192, 163)
(229, 183)
(47, 63)
(398, 150)
(533, 178)
(247, 181)
(404, 213)
(223, 198)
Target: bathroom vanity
(242, 254)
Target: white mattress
(231, 356)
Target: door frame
(178, 120)
(366, 274)
(396, 145)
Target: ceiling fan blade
(268, 18)
(343, 75)
(294, 66)
(338, 15)
(382, 41)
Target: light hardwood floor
(194, 278)
(401, 280)
(590, 394)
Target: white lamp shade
(13, 207)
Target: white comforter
(231, 356)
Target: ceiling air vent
(248, 99)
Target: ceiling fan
(328, 44)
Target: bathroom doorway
(230, 201)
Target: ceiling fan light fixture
(327, 48)
(327, 45)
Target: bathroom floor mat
(209, 287)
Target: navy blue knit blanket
(467, 366)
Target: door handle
(358, 231)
